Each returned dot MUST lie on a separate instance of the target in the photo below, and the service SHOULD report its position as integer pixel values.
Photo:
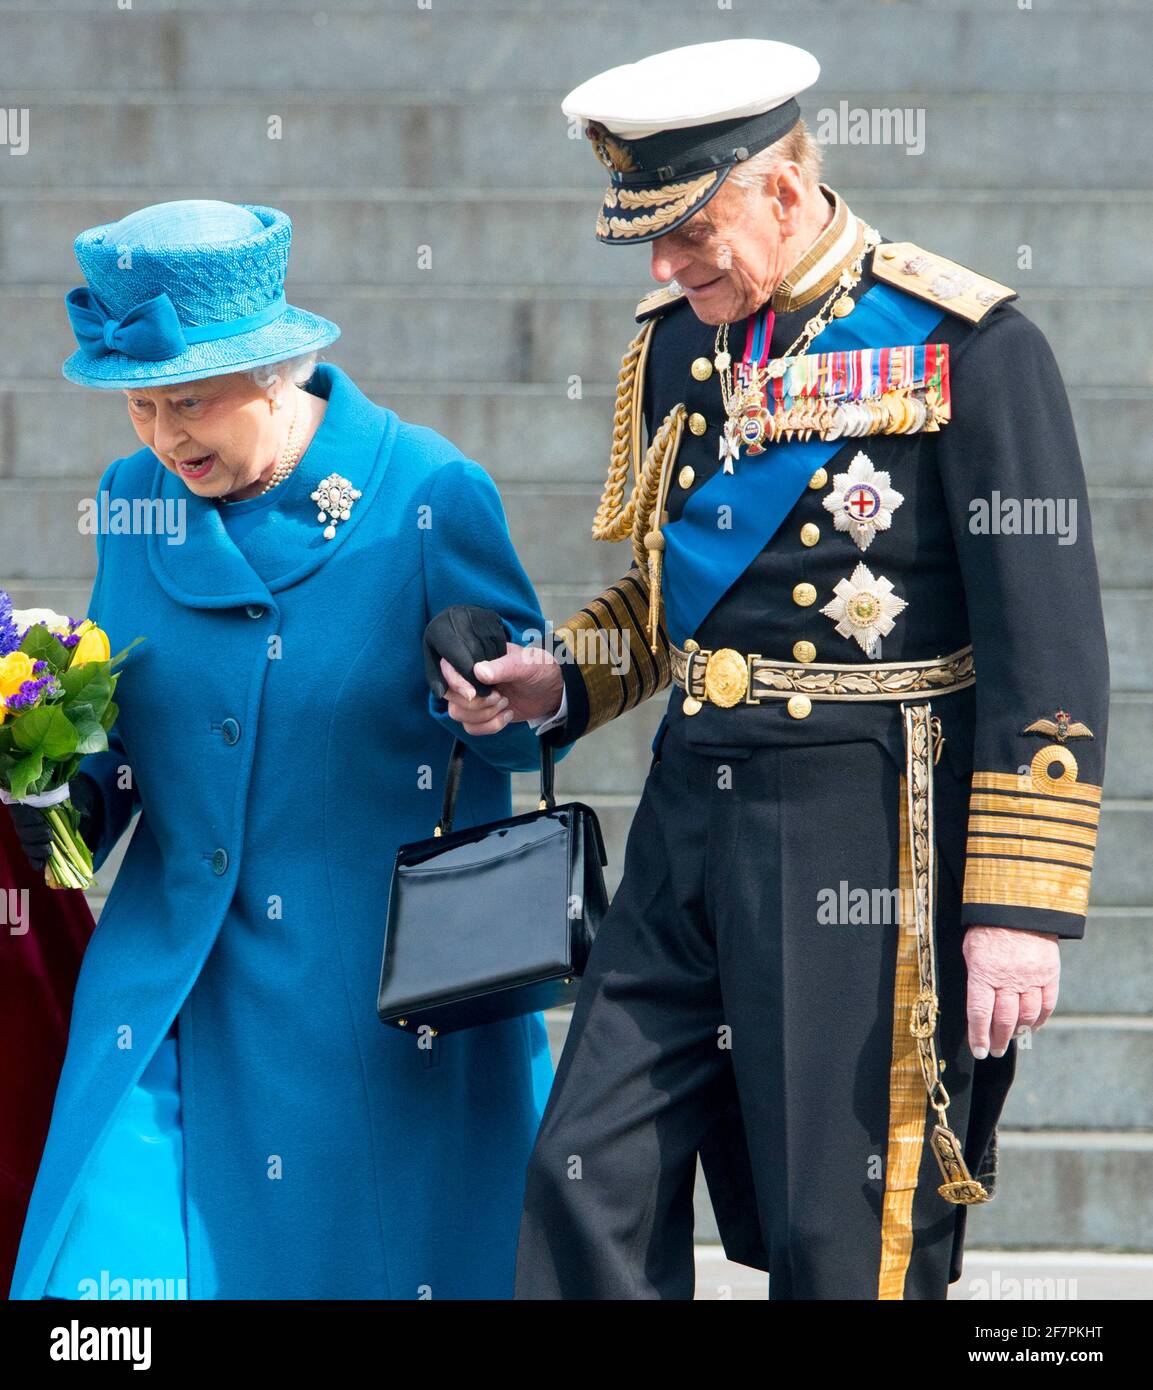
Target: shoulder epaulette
(659, 299)
(955, 288)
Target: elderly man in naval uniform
(871, 810)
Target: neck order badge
(702, 560)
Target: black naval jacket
(1028, 603)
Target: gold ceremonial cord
(639, 517)
(648, 543)
(613, 520)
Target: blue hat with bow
(183, 290)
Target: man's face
(729, 256)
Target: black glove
(34, 832)
(463, 634)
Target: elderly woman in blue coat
(232, 1120)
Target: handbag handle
(456, 767)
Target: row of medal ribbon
(843, 395)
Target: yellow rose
(15, 669)
(93, 645)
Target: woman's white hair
(292, 371)
(797, 146)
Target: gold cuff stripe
(645, 671)
(1014, 782)
(1022, 883)
(602, 687)
(1047, 809)
(611, 694)
(1039, 829)
(907, 1102)
(1022, 848)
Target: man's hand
(1013, 980)
(526, 684)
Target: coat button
(701, 369)
(819, 479)
(220, 861)
(810, 533)
(255, 610)
(697, 423)
(686, 475)
(230, 731)
(804, 651)
(804, 594)
(800, 706)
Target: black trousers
(731, 1011)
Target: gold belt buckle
(726, 677)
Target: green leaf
(61, 739)
(42, 645)
(25, 773)
(47, 730)
(108, 718)
(89, 684)
(29, 728)
(91, 737)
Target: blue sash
(702, 560)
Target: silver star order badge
(864, 608)
(862, 501)
(334, 496)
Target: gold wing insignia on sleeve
(941, 281)
(1061, 727)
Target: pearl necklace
(288, 458)
(291, 452)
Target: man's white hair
(295, 371)
(797, 146)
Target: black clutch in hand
(493, 921)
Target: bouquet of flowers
(56, 707)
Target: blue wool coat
(283, 742)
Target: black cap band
(677, 154)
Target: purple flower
(30, 692)
(9, 637)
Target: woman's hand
(526, 683)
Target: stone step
(446, 138)
(1073, 1188)
(52, 428)
(617, 758)
(1058, 1084)
(368, 235)
(1111, 969)
(1101, 338)
(599, 12)
(501, 52)
(1126, 618)
(568, 555)
(1120, 869)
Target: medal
(862, 501)
(864, 608)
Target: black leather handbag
(493, 921)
